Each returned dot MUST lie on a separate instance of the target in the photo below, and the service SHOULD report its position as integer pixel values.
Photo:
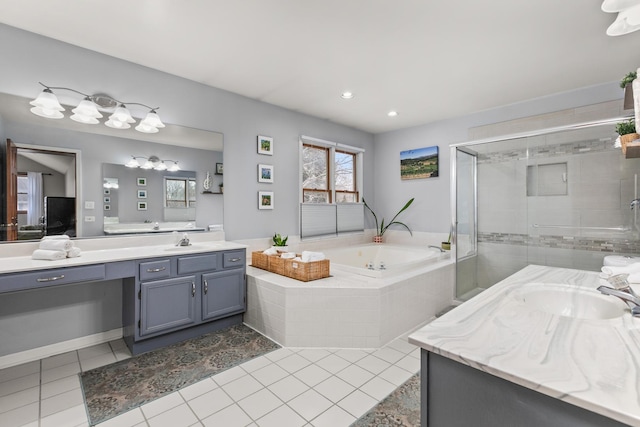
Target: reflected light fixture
(346, 95)
(152, 162)
(47, 105)
(628, 19)
(392, 114)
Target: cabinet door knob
(206, 287)
(50, 279)
(193, 289)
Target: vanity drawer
(153, 270)
(51, 277)
(233, 259)
(197, 263)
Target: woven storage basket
(306, 271)
(260, 260)
(276, 264)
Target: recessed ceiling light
(392, 113)
(347, 95)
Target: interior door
(11, 220)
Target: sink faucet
(620, 288)
(184, 241)
(635, 203)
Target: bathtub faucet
(437, 247)
(620, 288)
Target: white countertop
(16, 257)
(591, 363)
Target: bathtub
(382, 260)
(355, 307)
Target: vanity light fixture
(628, 19)
(47, 105)
(152, 162)
(346, 95)
(392, 114)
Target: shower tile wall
(515, 230)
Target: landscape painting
(419, 163)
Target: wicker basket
(306, 271)
(276, 264)
(626, 140)
(260, 260)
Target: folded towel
(308, 256)
(288, 255)
(56, 237)
(48, 255)
(633, 278)
(56, 244)
(626, 269)
(74, 252)
(270, 251)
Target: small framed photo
(265, 199)
(218, 168)
(142, 182)
(142, 206)
(106, 200)
(106, 191)
(265, 173)
(142, 194)
(265, 145)
(107, 207)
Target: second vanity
(169, 293)
(542, 347)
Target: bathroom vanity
(542, 347)
(170, 293)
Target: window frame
(25, 211)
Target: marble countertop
(96, 251)
(590, 363)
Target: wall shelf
(211, 192)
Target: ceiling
(428, 60)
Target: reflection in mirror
(196, 149)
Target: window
(180, 192)
(331, 188)
(23, 193)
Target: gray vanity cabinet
(183, 296)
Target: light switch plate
(89, 205)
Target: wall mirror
(44, 143)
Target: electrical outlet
(89, 205)
(89, 219)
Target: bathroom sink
(188, 248)
(569, 301)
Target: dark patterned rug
(113, 389)
(400, 409)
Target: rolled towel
(308, 256)
(270, 251)
(288, 255)
(74, 252)
(56, 237)
(56, 244)
(48, 255)
(626, 269)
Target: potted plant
(380, 230)
(627, 132)
(279, 242)
(625, 84)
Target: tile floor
(285, 388)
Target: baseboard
(59, 348)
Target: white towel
(270, 251)
(288, 255)
(626, 269)
(74, 252)
(56, 244)
(48, 255)
(308, 256)
(56, 237)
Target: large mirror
(68, 159)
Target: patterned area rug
(113, 389)
(400, 409)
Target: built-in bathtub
(352, 309)
(382, 260)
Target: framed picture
(142, 194)
(106, 200)
(142, 206)
(265, 145)
(107, 207)
(107, 191)
(142, 182)
(265, 173)
(218, 168)
(419, 163)
(265, 199)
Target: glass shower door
(466, 223)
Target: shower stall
(558, 197)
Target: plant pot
(281, 248)
(446, 246)
(377, 239)
(628, 96)
(626, 139)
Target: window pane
(345, 180)
(176, 193)
(346, 197)
(23, 184)
(315, 196)
(23, 202)
(314, 168)
(192, 192)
